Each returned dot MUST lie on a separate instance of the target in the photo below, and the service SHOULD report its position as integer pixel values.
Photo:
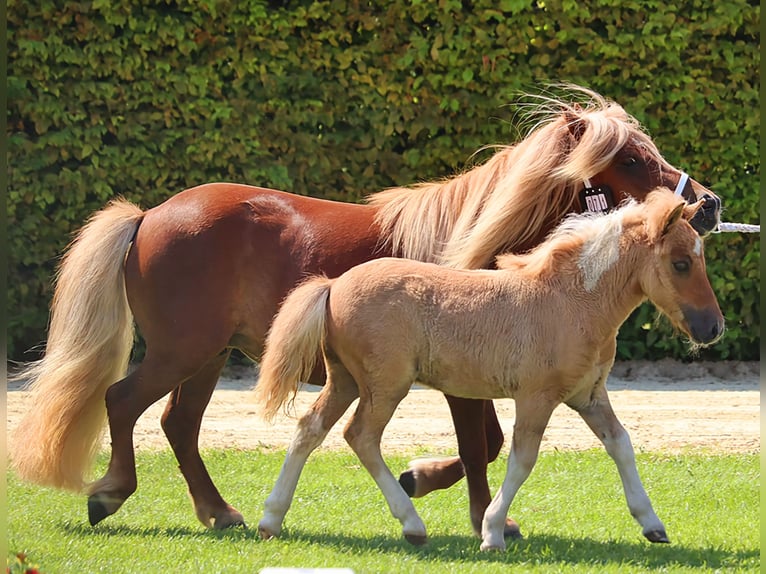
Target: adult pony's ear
(575, 123)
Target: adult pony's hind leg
(600, 417)
(336, 396)
(181, 422)
(126, 400)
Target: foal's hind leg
(532, 415)
(480, 439)
(181, 422)
(600, 417)
(336, 396)
(126, 400)
(363, 434)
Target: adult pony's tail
(89, 342)
(293, 344)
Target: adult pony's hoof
(102, 505)
(408, 482)
(657, 536)
(416, 539)
(512, 530)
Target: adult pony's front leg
(181, 422)
(600, 417)
(532, 416)
(479, 440)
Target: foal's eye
(681, 266)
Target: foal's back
(443, 327)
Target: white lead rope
(743, 227)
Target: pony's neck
(595, 267)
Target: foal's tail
(293, 344)
(89, 342)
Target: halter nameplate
(596, 199)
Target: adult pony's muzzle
(705, 326)
(708, 216)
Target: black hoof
(96, 511)
(102, 505)
(407, 480)
(657, 536)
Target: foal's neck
(617, 291)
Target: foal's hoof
(232, 518)
(267, 530)
(657, 536)
(265, 533)
(102, 505)
(416, 539)
(229, 522)
(512, 530)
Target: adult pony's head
(677, 282)
(588, 151)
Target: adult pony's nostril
(714, 333)
(717, 330)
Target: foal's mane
(591, 239)
(511, 201)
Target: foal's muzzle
(705, 325)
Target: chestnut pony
(205, 271)
(542, 329)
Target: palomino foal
(541, 329)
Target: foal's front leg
(600, 417)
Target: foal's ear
(662, 210)
(674, 215)
(691, 209)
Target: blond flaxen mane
(521, 192)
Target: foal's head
(676, 280)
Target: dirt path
(664, 405)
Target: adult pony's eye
(630, 161)
(682, 265)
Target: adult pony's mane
(520, 193)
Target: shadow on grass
(540, 549)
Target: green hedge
(337, 99)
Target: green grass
(571, 510)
